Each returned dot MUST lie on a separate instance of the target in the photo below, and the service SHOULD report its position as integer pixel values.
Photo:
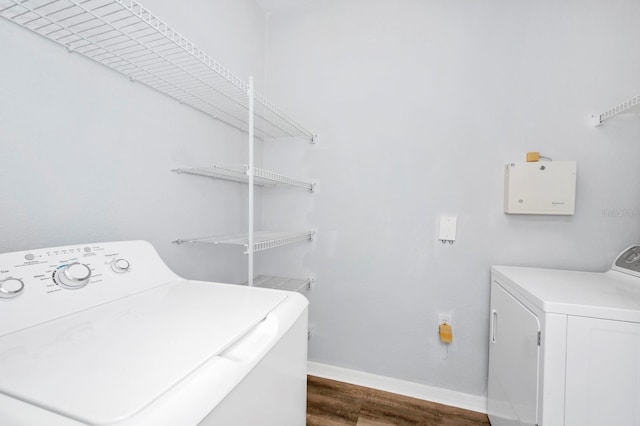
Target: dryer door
(513, 361)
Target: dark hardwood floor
(332, 403)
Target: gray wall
(419, 105)
(87, 155)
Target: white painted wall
(419, 105)
(87, 155)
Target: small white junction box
(546, 187)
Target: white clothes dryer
(565, 345)
(106, 334)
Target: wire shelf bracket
(126, 37)
(632, 106)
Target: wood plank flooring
(331, 403)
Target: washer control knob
(120, 265)
(11, 287)
(73, 275)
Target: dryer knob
(120, 265)
(72, 276)
(11, 287)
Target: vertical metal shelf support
(251, 174)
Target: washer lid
(107, 363)
(609, 295)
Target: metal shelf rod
(251, 174)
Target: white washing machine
(106, 334)
(565, 346)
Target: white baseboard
(402, 387)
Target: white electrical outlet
(445, 336)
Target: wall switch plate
(448, 226)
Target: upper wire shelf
(263, 240)
(628, 107)
(126, 37)
(239, 173)
(283, 283)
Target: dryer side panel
(603, 372)
(513, 361)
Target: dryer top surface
(609, 295)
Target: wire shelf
(282, 283)
(127, 38)
(632, 106)
(239, 173)
(263, 240)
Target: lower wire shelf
(283, 283)
(239, 174)
(262, 240)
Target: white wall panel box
(547, 187)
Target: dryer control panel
(628, 261)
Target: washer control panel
(44, 284)
(629, 261)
